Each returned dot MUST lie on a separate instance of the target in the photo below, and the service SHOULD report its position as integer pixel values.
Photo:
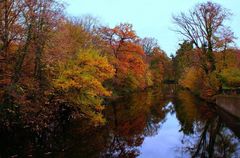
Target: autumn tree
(230, 77)
(10, 34)
(183, 59)
(72, 37)
(9, 27)
(227, 65)
(47, 15)
(80, 83)
(127, 56)
(39, 18)
(203, 26)
(159, 65)
(121, 38)
(190, 74)
(25, 28)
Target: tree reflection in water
(204, 131)
(130, 120)
(205, 134)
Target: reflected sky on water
(150, 124)
(167, 140)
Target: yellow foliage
(192, 79)
(227, 59)
(200, 83)
(81, 78)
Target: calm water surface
(145, 125)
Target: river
(151, 124)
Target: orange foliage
(129, 55)
(159, 65)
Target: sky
(150, 18)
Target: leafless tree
(149, 44)
(203, 26)
(9, 24)
(38, 18)
(89, 23)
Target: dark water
(145, 125)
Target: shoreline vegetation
(55, 68)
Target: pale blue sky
(150, 18)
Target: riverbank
(229, 103)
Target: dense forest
(55, 67)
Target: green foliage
(227, 59)
(80, 80)
(149, 78)
(182, 59)
(130, 83)
(184, 47)
(213, 81)
(230, 77)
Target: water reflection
(205, 133)
(149, 124)
(129, 125)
